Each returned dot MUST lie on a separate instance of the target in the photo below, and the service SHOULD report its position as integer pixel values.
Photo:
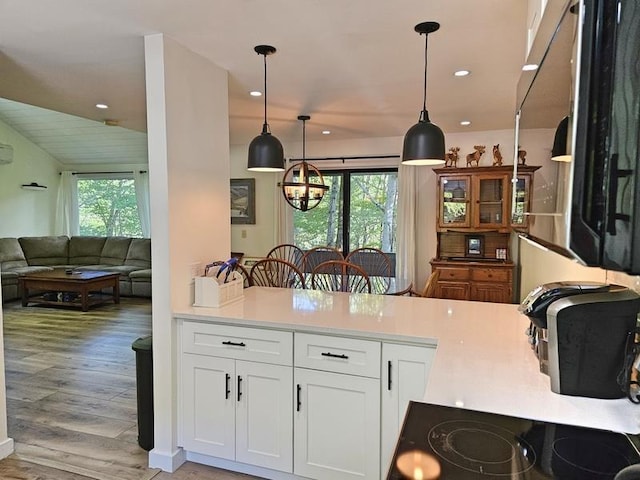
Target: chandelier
(302, 185)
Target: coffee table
(57, 282)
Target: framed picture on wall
(250, 261)
(243, 201)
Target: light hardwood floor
(71, 395)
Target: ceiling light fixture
(529, 67)
(424, 142)
(255, 93)
(465, 123)
(326, 132)
(461, 73)
(265, 151)
(302, 185)
(102, 106)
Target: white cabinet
(405, 370)
(238, 410)
(337, 419)
(208, 407)
(249, 394)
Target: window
(359, 210)
(107, 205)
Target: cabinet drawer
(337, 354)
(241, 343)
(454, 273)
(491, 275)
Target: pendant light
(302, 185)
(265, 151)
(561, 151)
(424, 142)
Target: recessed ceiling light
(465, 122)
(102, 105)
(255, 93)
(326, 132)
(461, 73)
(529, 67)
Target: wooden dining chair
(246, 278)
(340, 276)
(429, 290)
(273, 272)
(376, 264)
(317, 255)
(289, 253)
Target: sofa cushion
(32, 269)
(85, 250)
(45, 250)
(139, 254)
(141, 275)
(11, 254)
(9, 278)
(115, 250)
(123, 270)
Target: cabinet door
(490, 196)
(521, 204)
(453, 290)
(491, 292)
(404, 378)
(336, 426)
(264, 415)
(454, 192)
(208, 405)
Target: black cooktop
(453, 443)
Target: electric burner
(454, 443)
(481, 447)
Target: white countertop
(483, 360)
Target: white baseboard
(6, 448)
(168, 462)
(241, 467)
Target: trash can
(144, 390)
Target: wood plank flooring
(71, 399)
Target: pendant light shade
(561, 150)
(424, 142)
(303, 186)
(265, 151)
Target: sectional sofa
(130, 257)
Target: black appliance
(605, 210)
(583, 335)
(452, 443)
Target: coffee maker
(581, 332)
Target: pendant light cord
(304, 137)
(423, 114)
(265, 126)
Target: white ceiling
(355, 66)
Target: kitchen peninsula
(315, 348)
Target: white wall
(188, 137)
(27, 212)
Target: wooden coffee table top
(76, 276)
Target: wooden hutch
(474, 225)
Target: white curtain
(67, 206)
(284, 216)
(141, 182)
(406, 218)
